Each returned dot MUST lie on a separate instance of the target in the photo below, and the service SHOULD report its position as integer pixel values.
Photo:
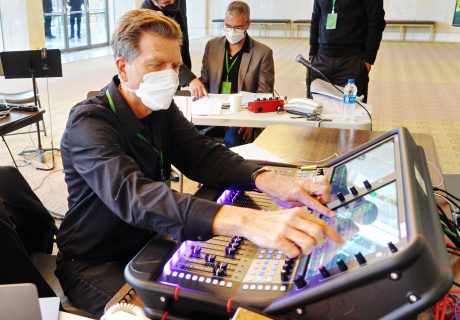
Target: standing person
(236, 62)
(345, 36)
(47, 10)
(116, 149)
(75, 16)
(177, 10)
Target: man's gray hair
(237, 8)
(133, 24)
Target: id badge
(331, 22)
(226, 87)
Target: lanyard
(140, 136)
(333, 6)
(233, 63)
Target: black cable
(453, 253)
(447, 192)
(456, 284)
(341, 91)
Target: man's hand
(292, 192)
(293, 231)
(247, 134)
(197, 88)
(368, 66)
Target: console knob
(342, 265)
(284, 275)
(367, 184)
(392, 247)
(218, 272)
(354, 191)
(324, 272)
(286, 268)
(320, 172)
(300, 282)
(210, 258)
(340, 196)
(289, 262)
(360, 258)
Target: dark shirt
(117, 201)
(185, 73)
(75, 5)
(360, 24)
(47, 6)
(233, 74)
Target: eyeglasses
(228, 28)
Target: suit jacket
(257, 70)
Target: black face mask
(172, 9)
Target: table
(18, 120)
(332, 109)
(292, 143)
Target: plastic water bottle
(349, 100)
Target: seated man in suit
(236, 63)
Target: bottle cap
(351, 80)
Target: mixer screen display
(372, 166)
(367, 225)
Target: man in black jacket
(116, 149)
(345, 36)
(47, 16)
(177, 10)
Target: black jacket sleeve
(314, 28)
(185, 75)
(376, 25)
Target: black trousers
(48, 26)
(90, 285)
(340, 69)
(75, 17)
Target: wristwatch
(256, 173)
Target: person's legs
(90, 286)
(48, 26)
(78, 25)
(232, 138)
(72, 25)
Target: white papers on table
(326, 89)
(208, 106)
(251, 96)
(251, 151)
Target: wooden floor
(416, 85)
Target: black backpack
(25, 213)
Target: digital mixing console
(392, 265)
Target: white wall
(17, 25)
(441, 11)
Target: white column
(22, 24)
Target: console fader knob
(392, 247)
(360, 258)
(324, 272)
(342, 265)
(300, 282)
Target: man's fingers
(289, 248)
(302, 240)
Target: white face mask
(158, 89)
(234, 35)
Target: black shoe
(50, 37)
(71, 37)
